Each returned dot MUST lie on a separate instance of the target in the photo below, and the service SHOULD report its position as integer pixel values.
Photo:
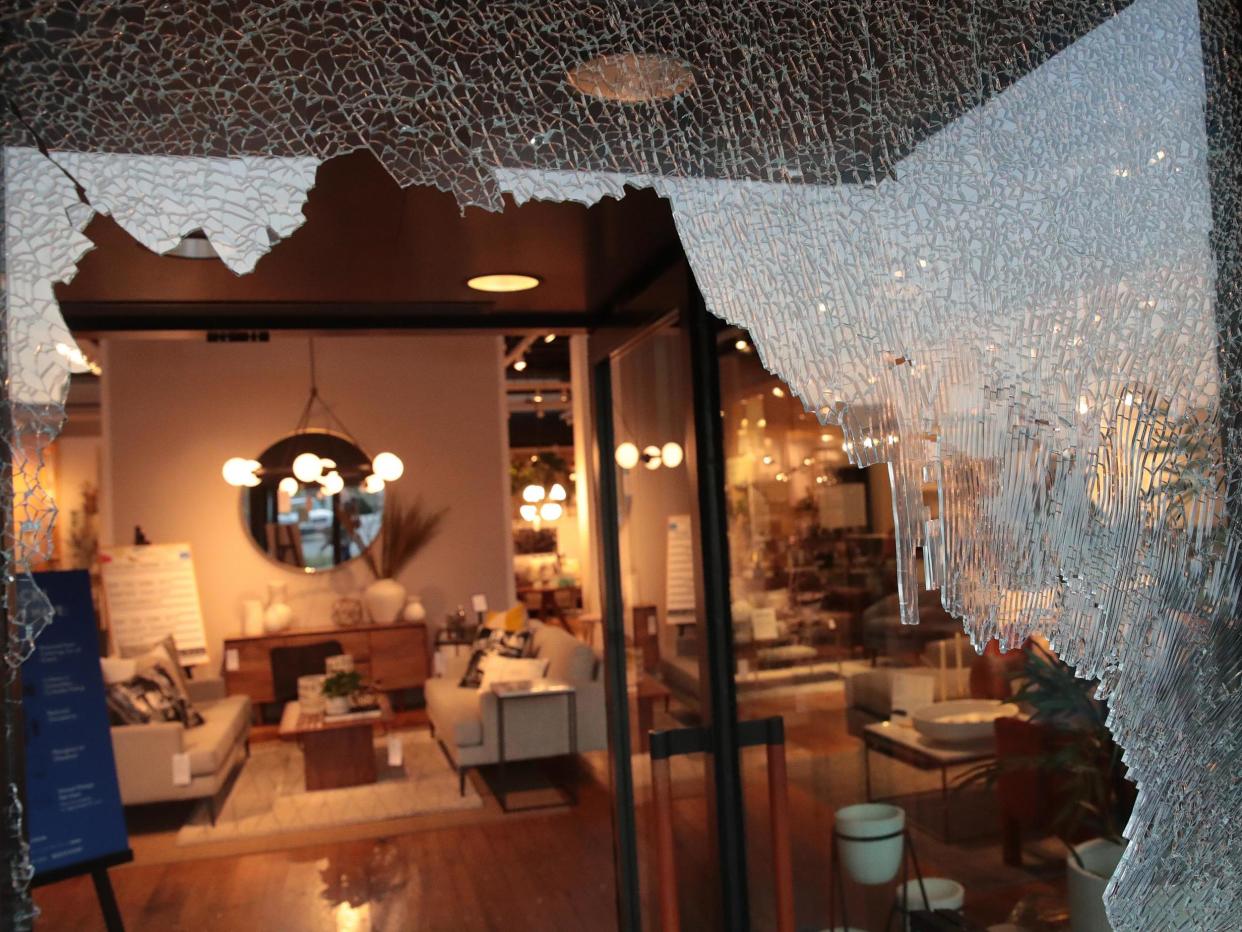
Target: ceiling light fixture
(504, 282)
(519, 366)
(549, 338)
(308, 467)
(632, 77)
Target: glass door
(679, 823)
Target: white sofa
(464, 720)
(144, 753)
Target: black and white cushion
(501, 643)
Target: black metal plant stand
(908, 857)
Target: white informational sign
(151, 593)
(843, 505)
(763, 624)
(679, 602)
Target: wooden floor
(546, 871)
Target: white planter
(1085, 888)
(865, 860)
(384, 600)
(335, 705)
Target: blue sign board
(73, 803)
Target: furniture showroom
(636, 465)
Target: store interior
(435, 573)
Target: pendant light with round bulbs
(309, 468)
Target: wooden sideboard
(390, 657)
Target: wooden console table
(389, 657)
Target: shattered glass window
(997, 244)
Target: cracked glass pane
(995, 243)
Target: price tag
(479, 602)
(232, 662)
(181, 769)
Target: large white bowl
(961, 721)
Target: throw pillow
(498, 669)
(156, 692)
(500, 642)
(513, 619)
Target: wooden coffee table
(338, 753)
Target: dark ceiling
(374, 255)
(444, 91)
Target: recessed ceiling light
(632, 77)
(503, 282)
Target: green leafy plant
(1081, 758)
(407, 529)
(342, 684)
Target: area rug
(268, 796)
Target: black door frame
(707, 458)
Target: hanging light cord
(314, 396)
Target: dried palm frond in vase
(406, 530)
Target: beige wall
(175, 410)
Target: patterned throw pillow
(155, 693)
(500, 643)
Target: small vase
(278, 615)
(414, 610)
(384, 600)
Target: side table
(904, 744)
(507, 693)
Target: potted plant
(338, 690)
(405, 532)
(1083, 768)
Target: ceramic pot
(1085, 888)
(870, 841)
(384, 600)
(278, 615)
(335, 705)
(252, 618)
(414, 610)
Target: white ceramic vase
(870, 841)
(1085, 888)
(384, 600)
(414, 609)
(278, 615)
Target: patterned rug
(268, 796)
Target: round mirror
(317, 518)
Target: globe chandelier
(308, 468)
